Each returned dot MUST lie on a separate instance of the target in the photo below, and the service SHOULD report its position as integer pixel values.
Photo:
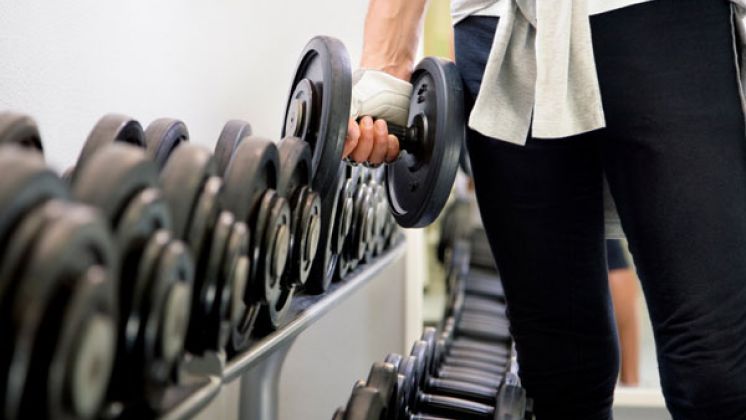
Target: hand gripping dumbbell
(250, 192)
(222, 311)
(157, 271)
(58, 286)
(305, 225)
(419, 182)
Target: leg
(542, 209)
(623, 284)
(675, 156)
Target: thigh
(541, 205)
(675, 156)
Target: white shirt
(541, 72)
(460, 9)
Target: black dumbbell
(305, 225)
(111, 128)
(58, 281)
(162, 137)
(419, 182)
(20, 130)
(337, 210)
(250, 183)
(223, 313)
(156, 273)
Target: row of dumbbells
(150, 248)
(467, 370)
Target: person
(560, 94)
(623, 288)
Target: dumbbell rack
(256, 373)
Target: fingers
(364, 147)
(353, 136)
(380, 142)
(369, 141)
(392, 151)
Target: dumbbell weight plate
(251, 173)
(162, 137)
(318, 106)
(166, 305)
(324, 265)
(26, 182)
(273, 229)
(233, 133)
(73, 240)
(20, 130)
(365, 403)
(383, 378)
(81, 363)
(236, 267)
(112, 128)
(112, 177)
(419, 182)
(294, 181)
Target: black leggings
(674, 152)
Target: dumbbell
(362, 218)
(508, 401)
(305, 226)
(419, 182)
(222, 311)
(157, 270)
(250, 193)
(336, 220)
(111, 128)
(20, 130)
(58, 286)
(162, 137)
(377, 397)
(348, 245)
(455, 225)
(484, 284)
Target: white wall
(69, 63)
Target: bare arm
(392, 33)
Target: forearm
(392, 32)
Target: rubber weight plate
(294, 184)
(250, 174)
(112, 128)
(20, 130)
(233, 133)
(322, 270)
(73, 241)
(318, 106)
(27, 182)
(272, 231)
(162, 137)
(419, 182)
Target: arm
(390, 39)
(392, 33)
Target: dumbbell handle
(407, 136)
(451, 407)
(459, 389)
